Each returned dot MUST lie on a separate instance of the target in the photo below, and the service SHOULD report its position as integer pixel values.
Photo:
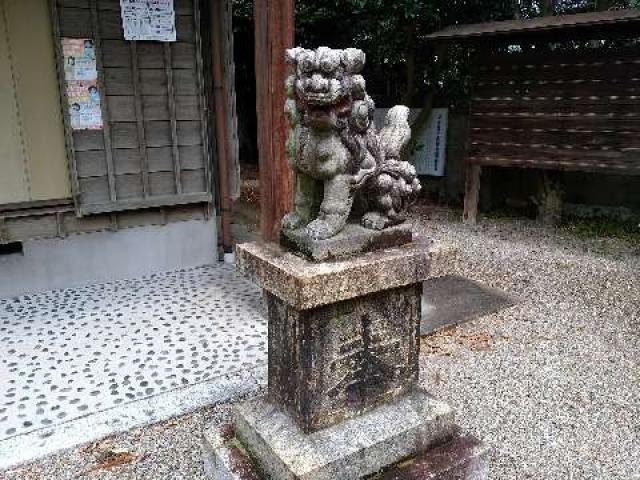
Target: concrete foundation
(82, 259)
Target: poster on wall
(81, 78)
(153, 20)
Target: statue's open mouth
(313, 98)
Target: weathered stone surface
(349, 450)
(337, 361)
(352, 240)
(335, 150)
(462, 457)
(222, 457)
(304, 284)
(343, 400)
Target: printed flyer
(81, 77)
(153, 20)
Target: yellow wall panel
(13, 180)
(34, 67)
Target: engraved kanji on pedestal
(332, 362)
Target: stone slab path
(82, 363)
(453, 299)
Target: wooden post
(274, 28)
(221, 56)
(472, 194)
(472, 180)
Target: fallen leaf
(113, 458)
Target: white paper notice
(148, 20)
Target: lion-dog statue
(335, 151)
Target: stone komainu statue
(335, 150)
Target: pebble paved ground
(81, 363)
(551, 383)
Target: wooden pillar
(473, 172)
(472, 194)
(224, 104)
(274, 28)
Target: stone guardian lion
(335, 151)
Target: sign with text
(153, 20)
(431, 154)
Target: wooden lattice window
(153, 148)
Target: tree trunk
(427, 104)
(517, 13)
(410, 66)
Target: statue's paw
(375, 221)
(292, 220)
(321, 230)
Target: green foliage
(401, 65)
(628, 230)
(399, 61)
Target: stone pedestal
(342, 401)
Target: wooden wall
(33, 160)
(61, 220)
(558, 110)
(154, 147)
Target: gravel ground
(551, 383)
(167, 451)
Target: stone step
(461, 457)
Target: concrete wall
(102, 256)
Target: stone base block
(224, 458)
(353, 449)
(304, 284)
(353, 240)
(462, 457)
(459, 457)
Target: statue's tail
(396, 133)
(395, 186)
